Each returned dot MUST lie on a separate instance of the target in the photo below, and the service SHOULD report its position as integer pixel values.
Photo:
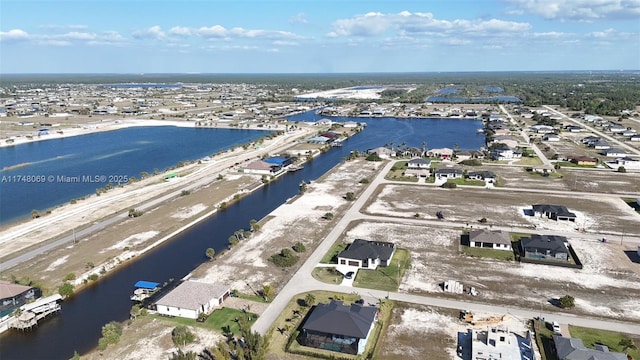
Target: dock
(144, 289)
(30, 314)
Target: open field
(502, 208)
(608, 276)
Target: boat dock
(144, 289)
(29, 314)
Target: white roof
(192, 295)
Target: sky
(317, 36)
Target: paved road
(534, 147)
(302, 281)
(599, 133)
(200, 177)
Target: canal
(77, 327)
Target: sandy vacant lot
(595, 213)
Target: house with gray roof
(192, 298)
(574, 349)
(545, 247)
(497, 239)
(367, 254)
(338, 327)
(554, 212)
(448, 173)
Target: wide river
(77, 326)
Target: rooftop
(339, 319)
(192, 295)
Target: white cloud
(74, 35)
(215, 31)
(180, 31)
(55, 42)
(406, 23)
(14, 35)
(299, 18)
(154, 32)
(286, 43)
(581, 10)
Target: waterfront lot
(595, 213)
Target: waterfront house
(544, 247)
(367, 254)
(12, 296)
(261, 168)
(443, 153)
(553, 212)
(383, 152)
(338, 327)
(497, 239)
(505, 153)
(192, 298)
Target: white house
(448, 173)
(626, 162)
(367, 254)
(505, 153)
(419, 163)
(497, 240)
(551, 138)
(192, 298)
(613, 152)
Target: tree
(135, 311)
(267, 291)
(328, 216)
(622, 169)
(350, 196)
(66, 289)
(110, 335)
(210, 253)
(310, 299)
(449, 185)
(567, 302)
(181, 336)
(180, 355)
(253, 224)
(35, 214)
(627, 343)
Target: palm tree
(310, 299)
(267, 291)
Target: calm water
(96, 159)
(78, 325)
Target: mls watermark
(64, 179)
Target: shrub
(350, 196)
(66, 289)
(70, 276)
(621, 169)
(285, 258)
(483, 220)
(93, 277)
(373, 157)
(110, 335)
(449, 185)
(364, 181)
(567, 302)
(299, 247)
(185, 192)
(181, 336)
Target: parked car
(556, 328)
(348, 275)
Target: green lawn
(529, 161)
(467, 182)
(396, 172)
(216, 321)
(611, 339)
(488, 253)
(327, 275)
(386, 278)
(544, 339)
(570, 164)
(331, 257)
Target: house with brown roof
(12, 296)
